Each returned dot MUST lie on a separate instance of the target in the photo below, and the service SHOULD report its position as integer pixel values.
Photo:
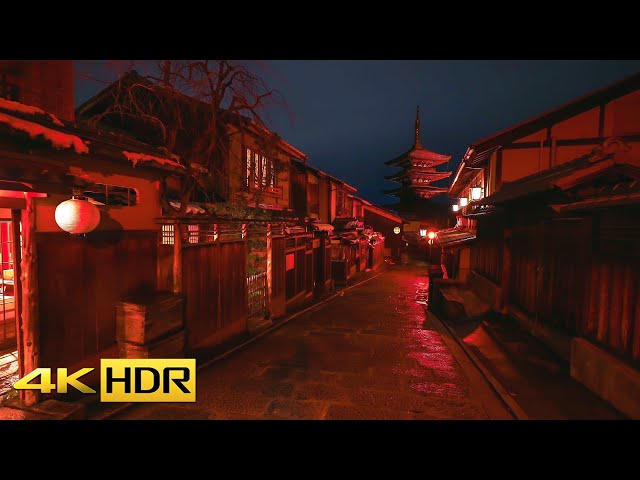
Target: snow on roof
(191, 207)
(27, 109)
(143, 157)
(58, 139)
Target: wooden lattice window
(167, 234)
(260, 171)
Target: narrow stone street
(371, 353)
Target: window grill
(203, 233)
(260, 172)
(167, 234)
(193, 233)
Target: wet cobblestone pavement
(369, 354)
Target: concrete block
(7, 413)
(484, 288)
(607, 376)
(60, 410)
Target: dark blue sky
(350, 116)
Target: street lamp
(396, 230)
(464, 201)
(476, 193)
(455, 207)
(423, 232)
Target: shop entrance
(10, 246)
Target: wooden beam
(177, 258)
(17, 287)
(569, 142)
(498, 182)
(269, 267)
(29, 326)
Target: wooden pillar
(28, 334)
(177, 258)
(505, 277)
(269, 267)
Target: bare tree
(193, 108)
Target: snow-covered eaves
(58, 140)
(11, 106)
(136, 158)
(191, 207)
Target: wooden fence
(574, 276)
(214, 279)
(80, 280)
(299, 281)
(612, 308)
(486, 251)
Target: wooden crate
(169, 347)
(144, 319)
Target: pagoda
(418, 171)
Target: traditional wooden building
(255, 171)
(546, 233)
(59, 290)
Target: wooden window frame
(260, 172)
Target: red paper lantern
(77, 215)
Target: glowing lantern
(476, 193)
(423, 232)
(455, 207)
(463, 202)
(431, 235)
(396, 230)
(77, 215)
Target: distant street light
(455, 207)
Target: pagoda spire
(417, 143)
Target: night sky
(350, 116)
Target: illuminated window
(112, 195)
(167, 234)
(260, 171)
(264, 177)
(249, 155)
(194, 233)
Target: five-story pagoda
(416, 178)
(418, 171)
